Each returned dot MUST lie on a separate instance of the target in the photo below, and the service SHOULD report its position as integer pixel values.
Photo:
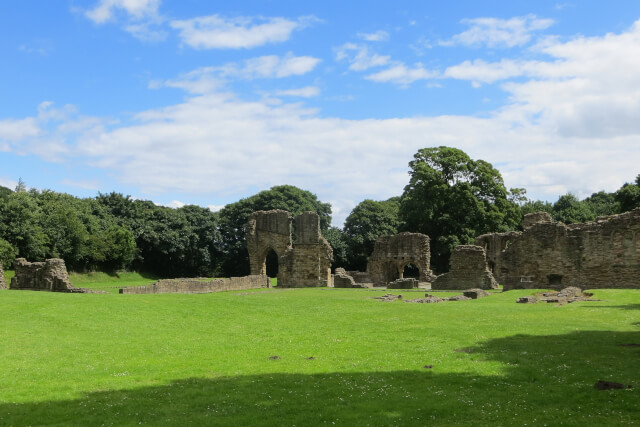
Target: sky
(202, 102)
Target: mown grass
(110, 282)
(343, 358)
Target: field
(314, 357)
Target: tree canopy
(453, 198)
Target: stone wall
(468, 270)
(494, 244)
(303, 264)
(308, 263)
(391, 254)
(604, 253)
(50, 275)
(3, 285)
(199, 286)
(267, 230)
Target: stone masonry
(50, 275)
(305, 263)
(266, 231)
(604, 253)
(468, 270)
(3, 285)
(391, 254)
(198, 286)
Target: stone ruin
(50, 275)
(391, 254)
(3, 285)
(604, 253)
(342, 279)
(199, 286)
(303, 263)
(468, 270)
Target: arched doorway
(271, 263)
(410, 271)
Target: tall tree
(366, 222)
(453, 199)
(628, 196)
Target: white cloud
(18, 129)
(209, 79)
(136, 9)
(402, 75)
(304, 92)
(215, 208)
(216, 32)
(378, 36)
(494, 32)
(359, 57)
(140, 16)
(570, 125)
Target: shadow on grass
(546, 379)
(621, 307)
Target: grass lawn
(343, 358)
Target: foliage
(628, 196)
(366, 222)
(336, 239)
(569, 209)
(234, 217)
(78, 360)
(7, 254)
(453, 199)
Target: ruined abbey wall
(468, 269)
(391, 254)
(198, 286)
(267, 230)
(3, 285)
(305, 263)
(50, 275)
(604, 253)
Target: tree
(234, 217)
(366, 222)
(570, 210)
(628, 196)
(602, 203)
(7, 254)
(336, 239)
(19, 225)
(453, 199)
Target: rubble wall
(3, 284)
(198, 286)
(391, 254)
(50, 275)
(604, 253)
(468, 270)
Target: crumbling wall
(50, 275)
(494, 244)
(199, 286)
(604, 253)
(305, 263)
(391, 254)
(308, 263)
(3, 284)
(267, 230)
(468, 270)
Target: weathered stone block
(409, 283)
(3, 284)
(527, 300)
(50, 275)
(475, 293)
(199, 286)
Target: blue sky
(201, 102)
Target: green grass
(90, 359)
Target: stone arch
(267, 230)
(270, 264)
(410, 270)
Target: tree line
(450, 197)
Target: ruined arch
(410, 271)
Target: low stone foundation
(50, 275)
(199, 286)
(341, 279)
(409, 283)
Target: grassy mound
(315, 356)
